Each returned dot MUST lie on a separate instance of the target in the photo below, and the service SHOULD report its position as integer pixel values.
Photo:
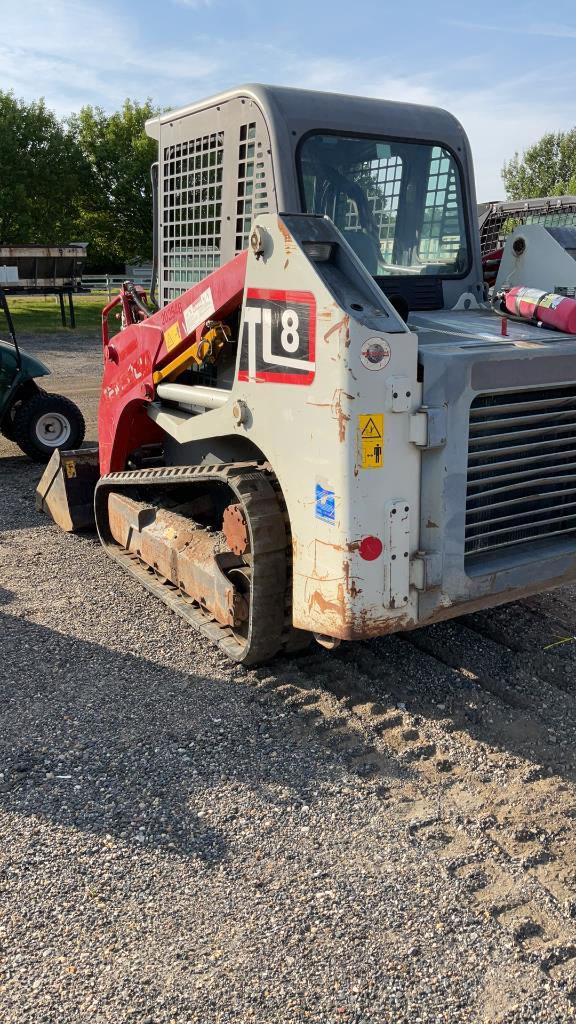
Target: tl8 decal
(278, 337)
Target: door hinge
(428, 428)
(425, 570)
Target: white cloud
(105, 60)
(499, 119)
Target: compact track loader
(323, 429)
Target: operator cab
(395, 178)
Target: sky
(508, 78)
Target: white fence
(110, 283)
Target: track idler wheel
(235, 529)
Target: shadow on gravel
(488, 675)
(114, 744)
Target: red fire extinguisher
(557, 311)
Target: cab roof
(306, 109)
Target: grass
(42, 314)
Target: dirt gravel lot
(384, 833)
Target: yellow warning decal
(70, 468)
(371, 431)
(172, 336)
(551, 301)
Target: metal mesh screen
(252, 196)
(440, 238)
(441, 233)
(381, 180)
(192, 189)
(504, 217)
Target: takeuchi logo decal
(278, 337)
(375, 354)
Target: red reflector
(370, 548)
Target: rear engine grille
(421, 293)
(521, 483)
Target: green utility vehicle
(36, 420)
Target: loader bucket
(66, 489)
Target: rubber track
(254, 488)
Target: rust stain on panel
(318, 573)
(337, 411)
(342, 325)
(338, 618)
(350, 582)
(339, 414)
(289, 243)
(317, 600)
(327, 312)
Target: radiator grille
(521, 484)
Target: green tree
(42, 173)
(115, 215)
(548, 168)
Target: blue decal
(325, 504)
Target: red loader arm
(144, 345)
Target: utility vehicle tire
(45, 422)
(8, 425)
(25, 393)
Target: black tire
(31, 425)
(8, 425)
(26, 391)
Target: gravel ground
(380, 834)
